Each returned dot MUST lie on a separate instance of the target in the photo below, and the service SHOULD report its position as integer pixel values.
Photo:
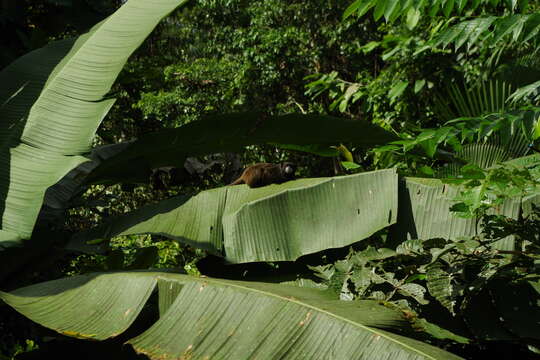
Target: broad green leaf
(532, 27)
(52, 100)
(87, 306)
(516, 33)
(371, 253)
(436, 6)
(451, 34)
(439, 284)
(272, 223)
(461, 5)
(231, 132)
(59, 196)
(492, 30)
(202, 318)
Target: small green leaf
(351, 9)
(472, 171)
(362, 279)
(410, 247)
(380, 7)
(460, 207)
(413, 16)
(426, 170)
(397, 89)
(419, 85)
(536, 133)
(372, 253)
(392, 7)
(448, 7)
(349, 165)
(439, 332)
(415, 291)
(361, 7)
(370, 46)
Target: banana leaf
(203, 318)
(231, 132)
(273, 223)
(52, 101)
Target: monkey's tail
(238, 181)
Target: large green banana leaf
(272, 223)
(204, 318)
(231, 132)
(51, 102)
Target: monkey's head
(287, 170)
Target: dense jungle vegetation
(412, 230)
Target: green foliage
(487, 189)
(491, 31)
(27, 25)
(239, 223)
(213, 307)
(36, 96)
(529, 92)
(191, 90)
(410, 11)
(231, 132)
(482, 140)
(412, 68)
(398, 84)
(402, 74)
(19, 348)
(235, 56)
(450, 273)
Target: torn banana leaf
(52, 101)
(272, 223)
(204, 318)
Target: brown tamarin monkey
(263, 174)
